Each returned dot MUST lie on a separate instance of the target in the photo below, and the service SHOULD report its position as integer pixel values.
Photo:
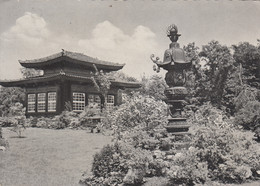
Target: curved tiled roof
(62, 75)
(70, 57)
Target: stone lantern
(175, 63)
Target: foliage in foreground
(18, 121)
(217, 151)
(8, 97)
(137, 111)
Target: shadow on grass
(17, 137)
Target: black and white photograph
(129, 93)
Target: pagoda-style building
(67, 79)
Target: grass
(48, 157)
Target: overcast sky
(118, 31)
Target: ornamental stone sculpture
(175, 62)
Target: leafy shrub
(148, 140)
(186, 168)
(137, 111)
(64, 119)
(228, 153)
(208, 115)
(108, 161)
(231, 155)
(19, 126)
(246, 95)
(249, 117)
(19, 121)
(8, 97)
(120, 163)
(218, 150)
(6, 121)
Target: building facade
(67, 80)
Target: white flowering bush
(218, 151)
(137, 111)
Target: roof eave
(42, 65)
(122, 84)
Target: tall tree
(247, 57)
(218, 65)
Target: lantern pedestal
(175, 63)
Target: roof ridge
(73, 55)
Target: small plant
(19, 120)
(3, 142)
(19, 126)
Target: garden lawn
(48, 157)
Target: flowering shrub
(65, 119)
(137, 111)
(218, 150)
(6, 121)
(186, 168)
(231, 155)
(120, 163)
(207, 115)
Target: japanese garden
(77, 120)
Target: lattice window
(78, 101)
(52, 101)
(31, 103)
(110, 102)
(41, 100)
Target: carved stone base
(176, 93)
(177, 125)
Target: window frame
(29, 102)
(42, 102)
(79, 102)
(50, 102)
(110, 105)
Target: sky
(120, 31)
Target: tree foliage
(218, 64)
(153, 86)
(101, 83)
(30, 72)
(248, 56)
(8, 97)
(120, 76)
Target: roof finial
(62, 51)
(62, 72)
